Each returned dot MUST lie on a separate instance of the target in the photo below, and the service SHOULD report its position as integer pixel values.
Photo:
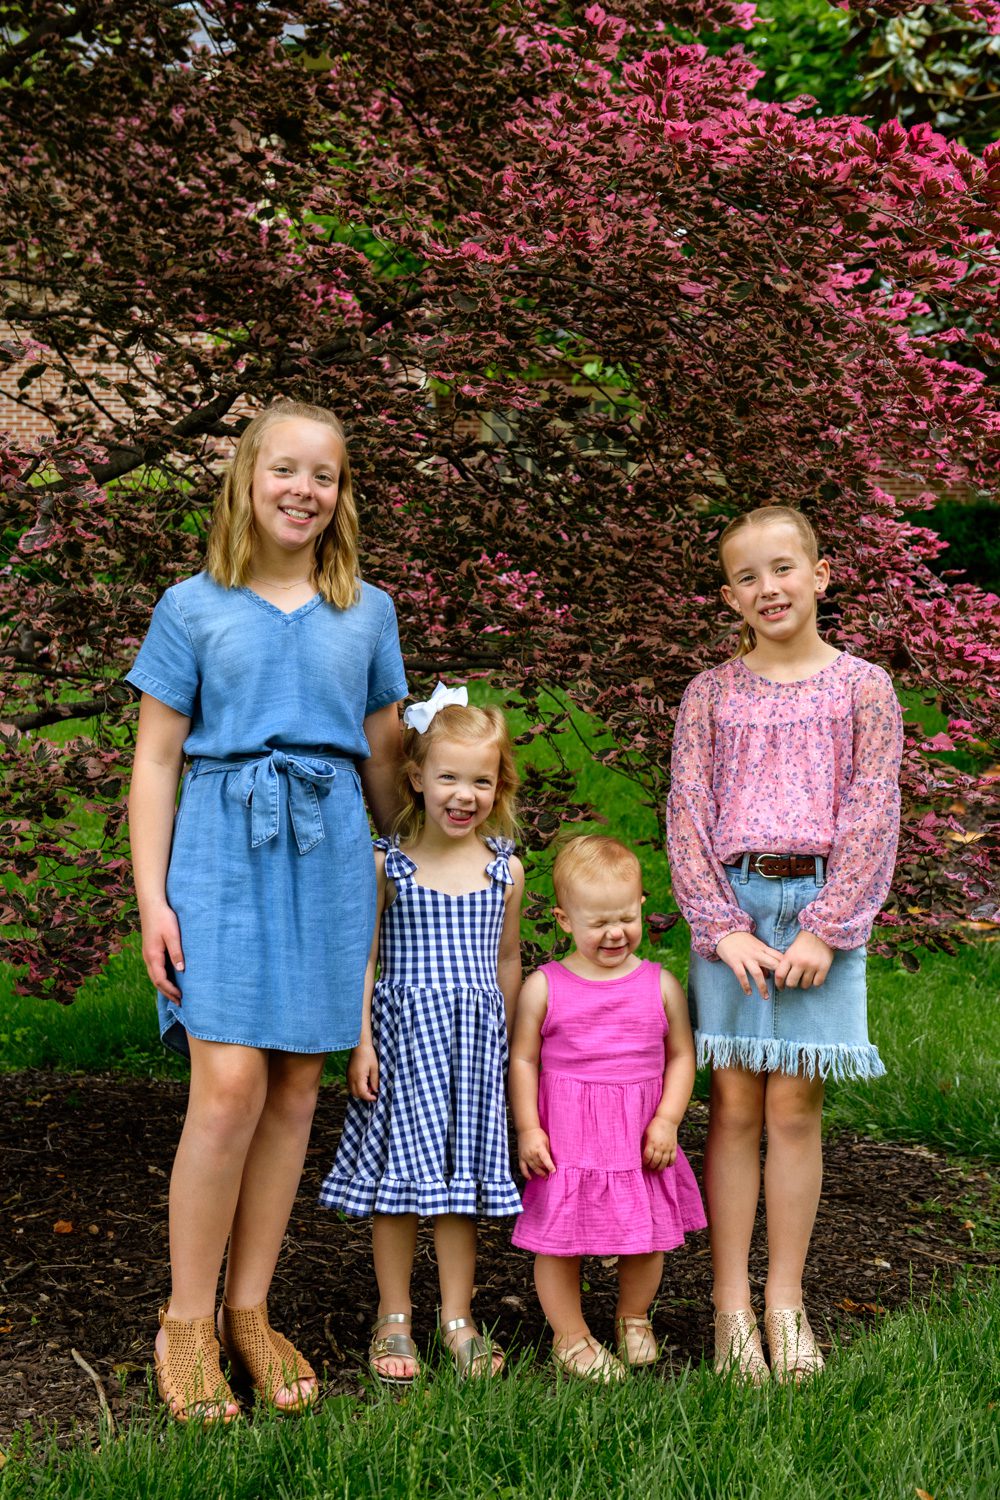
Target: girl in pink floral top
(782, 825)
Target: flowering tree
(578, 296)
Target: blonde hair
(762, 516)
(232, 537)
(468, 726)
(592, 856)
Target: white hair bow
(419, 715)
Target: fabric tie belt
(781, 866)
(257, 786)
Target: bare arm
(533, 1154)
(159, 756)
(660, 1143)
(509, 956)
(362, 1065)
(379, 772)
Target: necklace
(269, 585)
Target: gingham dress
(435, 1140)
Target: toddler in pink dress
(601, 1071)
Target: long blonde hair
(232, 537)
(468, 726)
(762, 516)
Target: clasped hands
(804, 965)
(659, 1148)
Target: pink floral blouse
(793, 768)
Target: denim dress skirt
(816, 1032)
(272, 863)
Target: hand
(748, 957)
(161, 944)
(533, 1155)
(806, 963)
(362, 1072)
(659, 1146)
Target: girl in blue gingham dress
(426, 1129)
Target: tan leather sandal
(189, 1377)
(792, 1344)
(637, 1344)
(474, 1351)
(265, 1357)
(737, 1347)
(602, 1365)
(392, 1346)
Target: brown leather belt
(780, 866)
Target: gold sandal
(392, 1346)
(737, 1347)
(603, 1366)
(265, 1357)
(475, 1350)
(637, 1344)
(794, 1352)
(189, 1377)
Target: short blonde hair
(766, 515)
(232, 537)
(467, 725)
(592, 856)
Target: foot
(792, 1344)
(188, 1374)
(582, 1355)
(263, 1356)
(392, 1354)
(737, 1347)
(474, 1355)
(637, 1344)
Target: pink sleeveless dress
(601, 1077)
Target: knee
(737, 1112)
(291, 1098)
(229, 1111)
(794, 1117)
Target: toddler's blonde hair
(467, 726)
(232, 537)
(592, 856)
(766, 515)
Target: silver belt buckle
(765, 854)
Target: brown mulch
(83, 1250)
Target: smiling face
(772, 581)
(296, 480)
(604, 918)
(458, 780)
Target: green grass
(909, 1408)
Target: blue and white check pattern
(435, 1140)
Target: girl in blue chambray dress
(426, 1127)
(277, 673)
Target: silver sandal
(392, 1346)
(474, 1349)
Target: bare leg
(455, 1247)
(793, 1175)
(227, 1093)
(639, 1279)
(732, 1180)
(394, 1240)
(271, 1176)
(557, 1282)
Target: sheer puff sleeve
(699, 882)
(863, 853)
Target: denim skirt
(272, 877)
(816, 1032)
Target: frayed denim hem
(761, 1054)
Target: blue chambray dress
(435, 1140)
(271, 871)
